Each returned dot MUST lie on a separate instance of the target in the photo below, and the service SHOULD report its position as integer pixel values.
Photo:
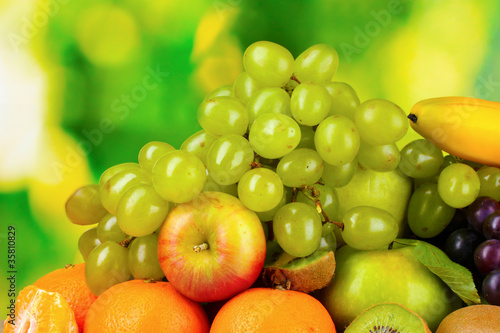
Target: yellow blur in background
(84, 85)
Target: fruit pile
(292, 184)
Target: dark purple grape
(491, 227)
(458, 221)
(491, 287)
(487, 256)
(460, 246)
(479, 210)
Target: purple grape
(458, 221)
(491, 287)
(487, 256)
(491, 227)
(460, 246)
(479, 210)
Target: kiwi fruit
(388, 318)
(472, 319)
(306, 274)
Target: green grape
(274, 135)
(472, 164)
(428, 215)
(345, 100)
(106, 266)
(179, 176)
(110, 172)
(327, 229)
(316, 64)
(268, 100)
(300, 167)
(421, 159)
(223, 115)
(328, 239)
(337, 140)
(268, 215)
(268, 63)
(290, 86)
(225, 90)
(297, 228)
(380, 158)
(84, 207)
(87, 242)
(151, 152)
(327, 196)
(306, 137)
(448, 160)
(199, 144)
(341, 175)
(368, 228)
(310, 103)
(458, 185)
(229, 158)
(489, 177)
(417, 182)
(245, 87)
(380, 121)
(212, 186)
(141, 211)
(109, 230)
(260, 189)
(116, 186)
(143, 258)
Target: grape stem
(201, 247)
(256, 162)
(126, 242)
(314, 197)
(294, 78)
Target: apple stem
(201, 247)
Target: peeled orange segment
(40, 311)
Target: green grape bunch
(284, 138)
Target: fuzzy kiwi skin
(472, 319)
(379, 314)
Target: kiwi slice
(306, 274)
(388, 318)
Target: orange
(40, 311)
(271, 310)
(141, 306)
(70, 283)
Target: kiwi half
(306, 274)
(388, 318)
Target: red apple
(212, 247)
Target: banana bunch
(462, 126)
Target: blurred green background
(85, 84)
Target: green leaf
(457, 277)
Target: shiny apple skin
(236, 247)
(365, 278)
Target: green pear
(390, 191)
(366, 278)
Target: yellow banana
(462, 126)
